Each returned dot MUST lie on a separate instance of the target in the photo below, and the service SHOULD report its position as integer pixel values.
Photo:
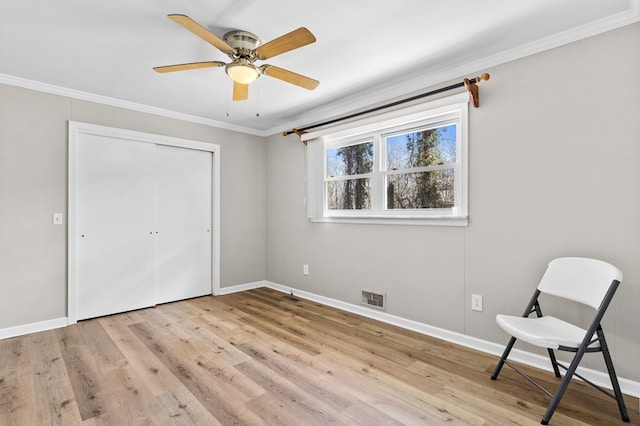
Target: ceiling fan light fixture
(242, 72)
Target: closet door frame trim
(76, 130)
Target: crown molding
(105, 100)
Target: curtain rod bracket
(471, 86)
(297, 132)
(473, 92)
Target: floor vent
(375, 300)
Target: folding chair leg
(564, 384)
(612, 375)
(503, 358)
(554, 363)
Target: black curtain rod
(469, 84)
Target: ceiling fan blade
(289, 77)
(189, 66)
(293, 40)
(240, 91)
(201, 32)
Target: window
(419, 168)
(404, 168)
(348, 175)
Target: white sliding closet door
(143, 224)
(184, 223)
(115, 225)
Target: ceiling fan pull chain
(258, 99)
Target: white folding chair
(587, 281)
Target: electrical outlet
(476, 302)
(305, 269)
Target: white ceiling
(367, 51)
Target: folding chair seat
(588, 281)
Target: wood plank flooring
(265, 358)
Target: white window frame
(449, 110)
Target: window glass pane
(351, 194)
(422, 148)
(350, 160)
(425, 190)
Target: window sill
(419, 221)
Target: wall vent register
(375, 300)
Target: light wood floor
(263, 357)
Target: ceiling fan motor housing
(239, 39)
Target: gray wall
(33, 184)
(554, 171)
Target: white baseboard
(629, 387)
(35, 327)
(240, 287)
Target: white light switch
(57, 219)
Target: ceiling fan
(244, 48)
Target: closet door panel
(115, 226)
(183, 244)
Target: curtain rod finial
(484, 77)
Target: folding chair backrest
(580, 279)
